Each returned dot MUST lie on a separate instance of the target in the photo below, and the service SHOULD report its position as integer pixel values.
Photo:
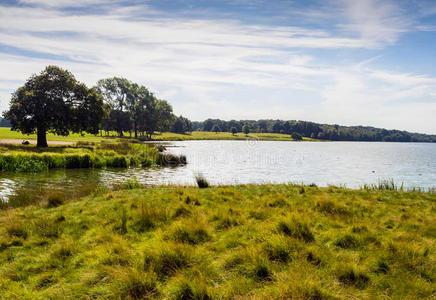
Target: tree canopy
(54, 101)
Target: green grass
(248, 241)
(6, 133)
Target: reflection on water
(233, 162)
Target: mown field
(6, 133)
(248, 241)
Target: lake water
(236, 162)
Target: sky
(347, 62)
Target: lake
(238, 162)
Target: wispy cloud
(204, 63)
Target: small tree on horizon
(296, 136)
(233, 130)
(53, 101)
(216, 128)
(246, 129)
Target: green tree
(53, 101)
(246, 129)
(118, 94)
(296, 136)
(233, 130)
(216, 128)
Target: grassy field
(253, 241)
(6, 133)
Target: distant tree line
(313, 130)
(54, 101)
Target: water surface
(236, 162)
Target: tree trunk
(136, 130)
(41, 141)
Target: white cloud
(377, 21)
(224, 68)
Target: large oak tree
(54, 101)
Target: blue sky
(366, 62)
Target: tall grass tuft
(296, 228)
(167, 259)
(201, 181)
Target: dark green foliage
(48, 99)
(233, 130)
(181, 125)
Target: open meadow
(246, 241)
(7, 134)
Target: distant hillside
(318, 131)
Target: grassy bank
(260, 241)
(120, 154)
